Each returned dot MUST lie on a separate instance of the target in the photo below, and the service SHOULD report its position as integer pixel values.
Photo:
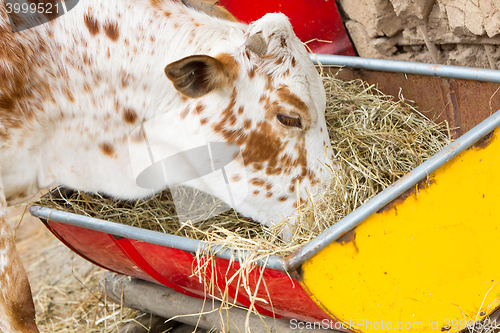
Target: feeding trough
(418, 256)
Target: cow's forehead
(286, 61)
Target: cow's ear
(197, 75)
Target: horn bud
(256, 44)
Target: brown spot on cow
(256, 192)
(269, 83)
(69, 95)
(203, 121)
(232, 120)
(236, 178)
(269, 194)
(257, 182)
(301, 203)
(237, 135)
(287, 97)
(241, 109)
(297, 179)
(107, 149)
(291, 189)
(251, 72)
(6, 102)
(91, 24)
(303, 172)
(185, 112)
(199, 108)
(124, 81)
(311, 176)
(258, 166)
(274, 170)
(283, 42)
(283, 198)
(287, 161)
(118, 105)
(111, 30)
(230, 65)
(263, 145)
(247, 123)
(129, 115)
(87, 88)
(87, 59)
(97, 78)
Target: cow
(74, 92)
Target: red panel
(310, 19)
(282, 294)
(174, 268)
(174, 264)
(173, 259)
(97, 247)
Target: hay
(375, 139)
(75, 305)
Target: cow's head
(260, 91)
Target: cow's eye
(290, 121)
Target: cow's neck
(117, 60)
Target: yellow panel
(428, 262)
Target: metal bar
(408, 67)
(208, 314)
(149, 236)
(392, 192)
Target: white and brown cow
(73, 90)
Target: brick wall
(454, 32)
